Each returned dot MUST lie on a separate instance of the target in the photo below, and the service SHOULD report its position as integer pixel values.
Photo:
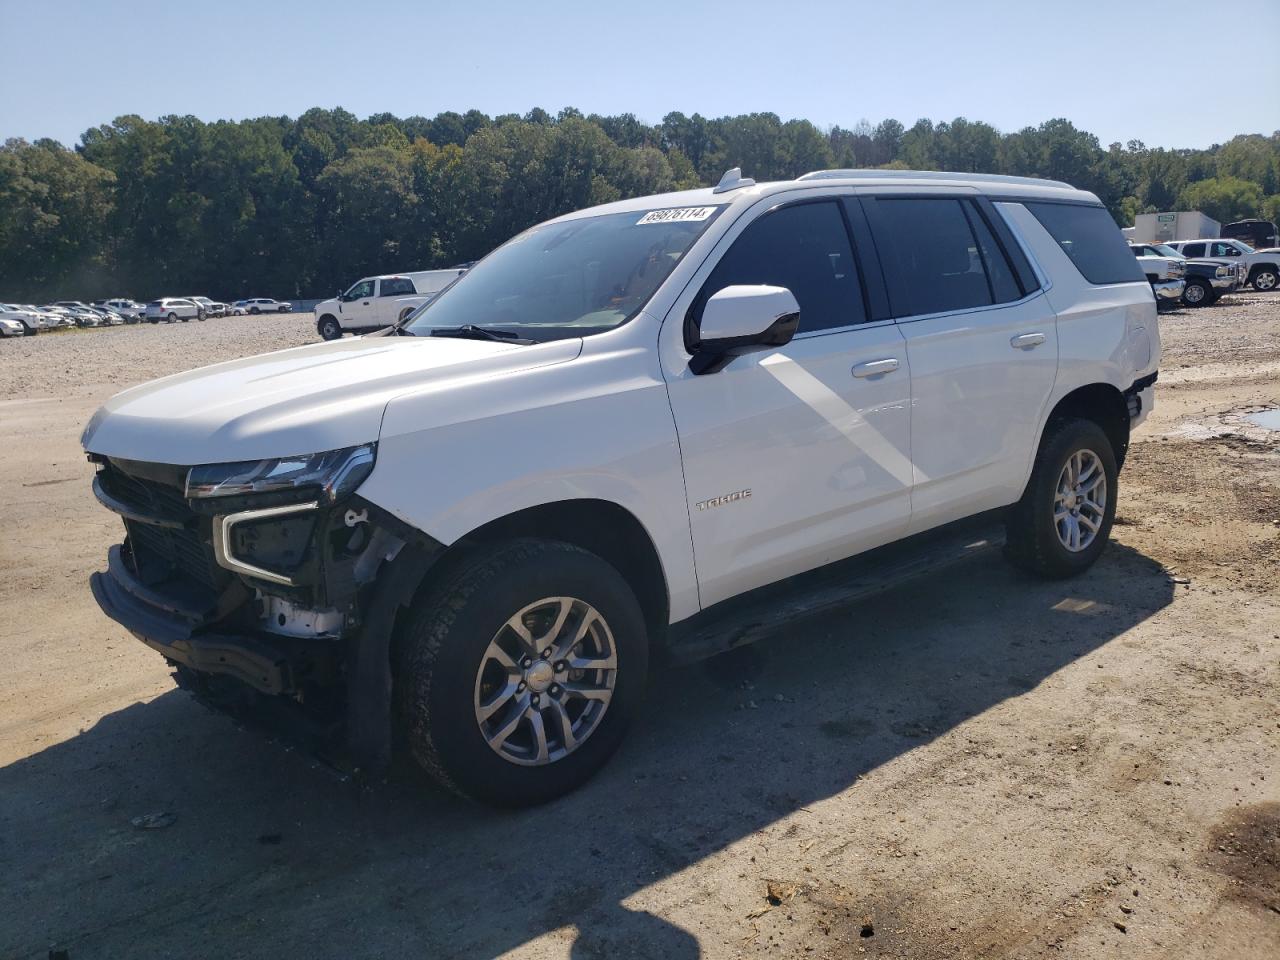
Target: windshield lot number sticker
(677, 215)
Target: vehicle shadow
(269, 855)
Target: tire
(444, 669)
(173, 318)
(1264, 280)
(329, 328)
(1197, 293)
(28, 330)
(254, 311)
(200, 315)
(155, 320)
(1034, 539)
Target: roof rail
(928, 175)
(732, 180)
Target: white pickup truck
(1260, 268)
(376, 302)
(641, 433)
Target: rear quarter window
(1091, 239)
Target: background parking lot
(979, 765)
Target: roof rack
(927, 175)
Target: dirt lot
(981, 765)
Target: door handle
(875, 368)
(1027, 341)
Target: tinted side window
(931, 258)
(1193, 250)
(804, 248)
(396, 287)
(1004, 286)
(1091, 239)
(1224, 250)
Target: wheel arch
(1101, 403)
(601, 527)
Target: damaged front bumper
(279, 613)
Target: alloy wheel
(1080, 502)
(545, 681)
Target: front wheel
(329, 327)
(1265, 280)
(518, 674)
(1197, 293)
(1061, 524)
(254, 311)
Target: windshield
(569, 279)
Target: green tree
(54, 206)
(1223, 198)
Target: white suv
(173, 309)
(606, 442)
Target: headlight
(1225, 271)
(335, 473)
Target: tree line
(286, 207)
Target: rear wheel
(173, 318)
(1061, 524)
(519, 673)
(1197, 293)
(329, 327)
(1265, 280)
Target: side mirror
(743, 319)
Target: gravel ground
(982, 765)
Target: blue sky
(1122, 70)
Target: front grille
(182, 551)
(175, 547)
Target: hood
(305, 400)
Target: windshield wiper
(469, 331)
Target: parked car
(645, 429)
(256, 305)
(1165, 270)
(11, 328)
(1259, 234)
(1204, 281)
(86, 317)
(237, 310)
(212, 308)
(376, 302)
(29, 321)
(132, 311)
(1260, 268)
(109, 317)
(173, 309)
(65, 317)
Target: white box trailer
(1178, 225)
